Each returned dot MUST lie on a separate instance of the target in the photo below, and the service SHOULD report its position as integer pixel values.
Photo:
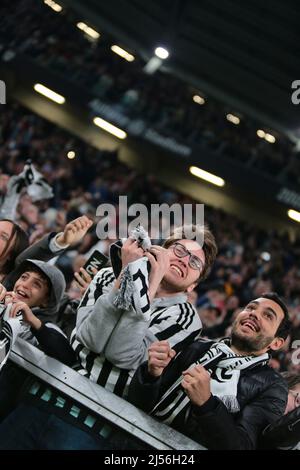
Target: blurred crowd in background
(250, 260)
(161, 100)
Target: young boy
(37, 285)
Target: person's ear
(191, 288)
(46, 302)
(277, 343)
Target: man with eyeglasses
(108, 335)
(111, 341)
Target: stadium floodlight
(198, 99)
(265, 256)
(261, 133)
(232, 118)
(55, 6)
(88, 30)
(50, 94)
(71, 154)
(161, 53)
(122, 53)
(270, 138)
(108, 127)
(205, 175)
(295, 215)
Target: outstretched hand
(131, 251)
(74, 231)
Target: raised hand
(160, 354)
(160, 262)
(131, 251)
(83, 279)
(27, 314)
(74, 231)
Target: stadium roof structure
(243, 53)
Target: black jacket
(39, 250)
(261, 393)
(283, 433)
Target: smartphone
(96, 260)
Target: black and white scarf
(10, 328)
(224, 366)
(37, 188)
(134, 286)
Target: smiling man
(110, 338)
(221, 394)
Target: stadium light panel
(161, 53)
(88, 30)
(205, 175)
(122, 53)
(50, 94)
(295, 215)
(232, 118)
(261, 133)
(198, 99)
(55, 6)
(71, 154)
(110, 128)
(270, 138)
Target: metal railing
(102, 402)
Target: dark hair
(285, 326)
(29, 267)
(291, 379)
(209, 244)
(20, 244)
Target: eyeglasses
(181, 251)
(296, 396)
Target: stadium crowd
(249, 263)
(250, 260)
(161, 100)
(193, 334)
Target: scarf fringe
(123, 300)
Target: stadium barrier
(114, 409)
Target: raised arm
(97, 315)
(54, 244)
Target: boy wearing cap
(37, 285)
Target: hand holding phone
(85, 276)
(95, 262)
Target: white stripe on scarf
(224, 386)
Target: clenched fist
(159, 356)
(196, 383)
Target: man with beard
(221, 394)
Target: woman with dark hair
(14, 245)
(13, 241)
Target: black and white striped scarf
(134, 285)
(36, 185)
(224, 366)
(10, 328)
